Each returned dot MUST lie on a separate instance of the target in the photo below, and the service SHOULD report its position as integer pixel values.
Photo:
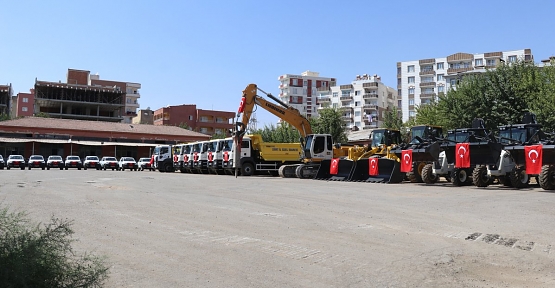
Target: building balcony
(324, 99)
(321, 89)
(136, 95)
(370, 107)
(346, 98)
(427, 84)
(347, 118)
(321, 107)
(345, 108)
(427, 61)
(134, 105)
(130, 113)
(428, 95)
(428, 72)
(370, 85)
(370, 96)
(346, 87)
(284, 85)
(458, 70)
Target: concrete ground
(182, 230)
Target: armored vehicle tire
(480, 176)
(547, 177)
(460, 177)
(428, 175)
(519, 178)
(247, 169)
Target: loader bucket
(428, 153)
(343, 170)
(389, 171)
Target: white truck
(218, 150)
(163, 158)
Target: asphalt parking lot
(182, 230)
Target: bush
(40, 255)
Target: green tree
(34, 255)
(184, 125)
(392, 119)
(42, 115)
(4, 117)
(330, 121)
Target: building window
(24, 109)
(296, 99)
(357, 103)
(294, 91)
(357, 92)
(439, 77)
(512, 59)
(453, 82)
(305, 83)
(335, 94)
(410, 68)
(427, 79)
(190, 117)
(411, 90)
(411, 102)
(440, 89)
(427, 68)
(399, 103)
(490, 62)
(203, 119)
(412, 113)
(479, 62)
(295, 82)
(428, 90)
(398, 70)
(25, 100)
(399, 94)
(439, 66)
(411, 79)
(204, 130)
(466, 65)
(357, 113)
(334, 105)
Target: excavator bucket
(388, 171)
(341, 173)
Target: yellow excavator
(318, 150)
(314, 147)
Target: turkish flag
(406, 160)
(462, 155)
(242, 105)
(372, 166)
(533, 156)
(334, 167)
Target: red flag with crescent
(406, 160)
(373, 166)
(462, 155)
(533, 155)
(334, 167)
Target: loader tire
(415, 176)
(547, 177)
(428, 175)
(460, 177)
(519, 178)
(480, 176)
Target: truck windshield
(176, 150)
(186, 149)
(226, 145)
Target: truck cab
(163, 160)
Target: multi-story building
(300, 91)
(25, 103)
(363, 103)
(421, 81)
(87, 97)
(204, 121)
(5, 99)
(144, 116)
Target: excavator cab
(385, 137)
(318, 147)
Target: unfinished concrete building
(77, 99)
(5, 99)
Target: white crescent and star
(404, 157)
(533, 151)
(459, 151)
(373, 163)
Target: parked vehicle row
(73, 161)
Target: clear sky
(206, 52)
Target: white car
(36, 161)
(54, 161)
(109, 162)
(144, 164)
(2, 164)
(91, 162)
(73, 162)
(127, 163)
(15, 161)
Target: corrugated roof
(70, 124)
(58, 141)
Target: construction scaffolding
(5, 99)
(73, 101)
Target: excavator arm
(281, 110)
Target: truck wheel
(247, 169)
(29, 168)
(460, 177)
(547, 177)
(47, 168)
(480, 176)
(23, 168)
(168, 167)
(519, 178)
(8, 167)
(428, 175)
(415, 176)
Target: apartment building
(25, 103)
(300, 91)
(204, 121)
(363, 102)
(421, 81)
(5, 99)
